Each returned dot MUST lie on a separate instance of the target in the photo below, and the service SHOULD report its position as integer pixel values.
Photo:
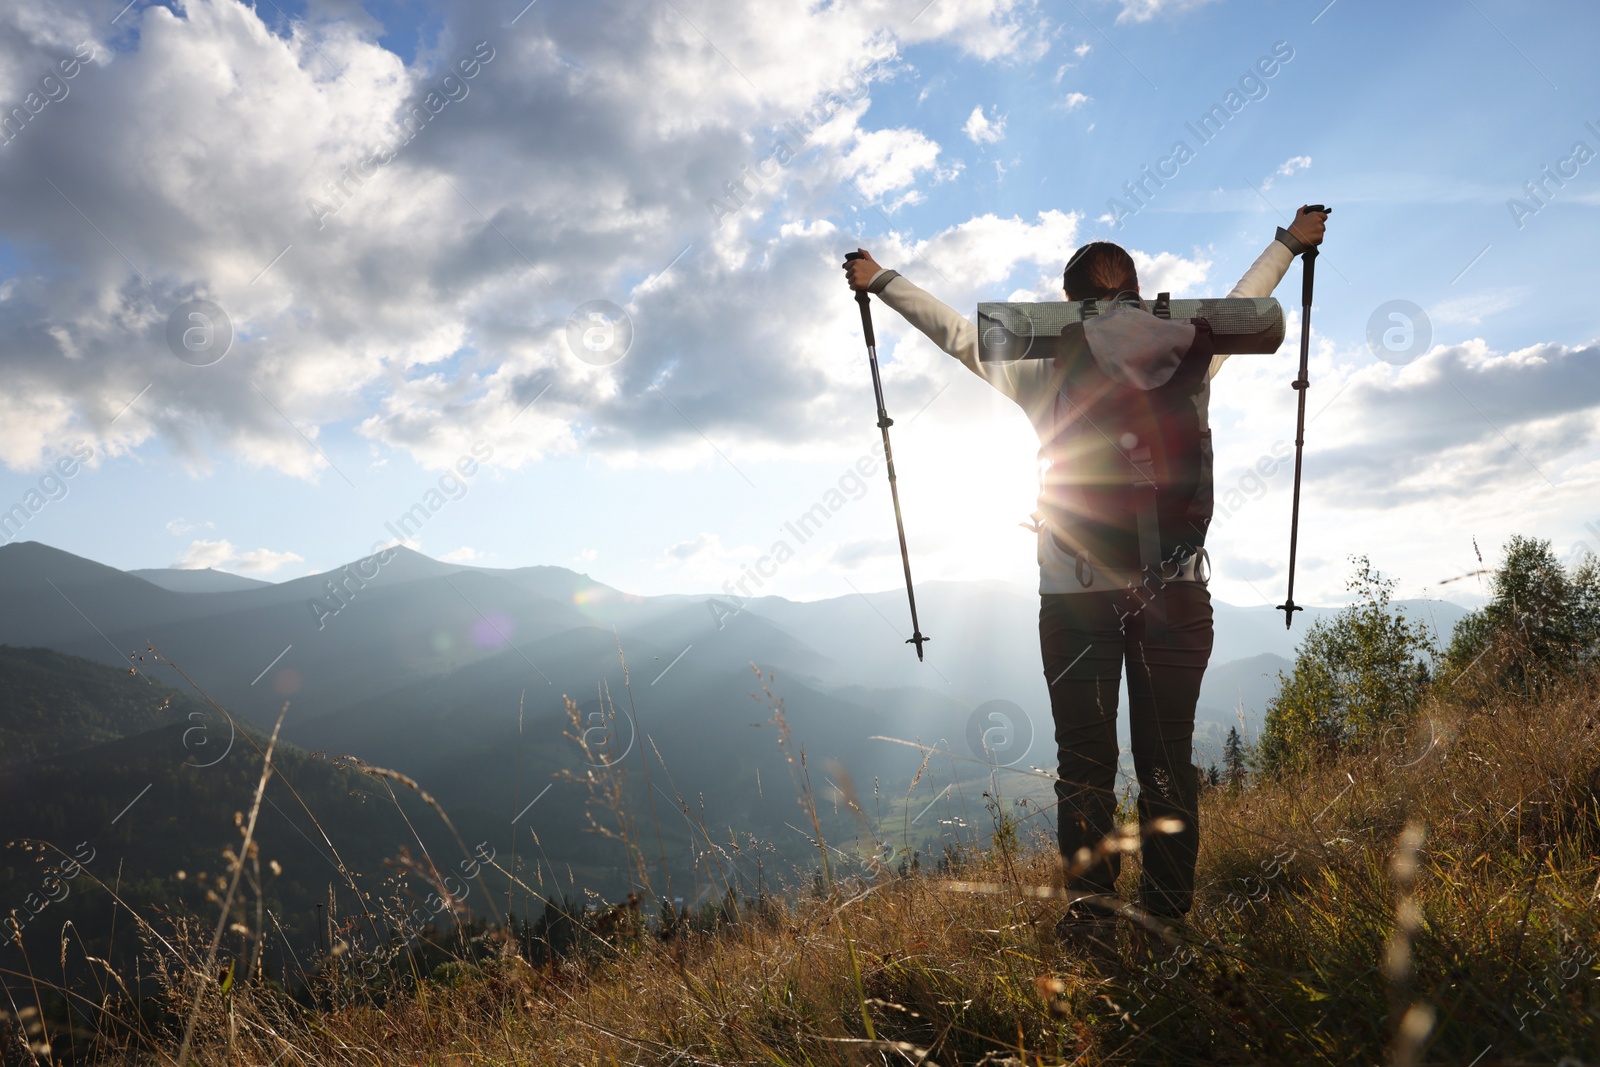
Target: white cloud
(1516, 418)
(1471, 310)
(464, 554)
(1061, 70)
(1408, 464)
(913, 197)
(986, 29)
(432, 303)
(1246, 568)
(984, 130)
(180, 526)
(1073, 101)
(1167, 272)
(201, 555)
(856, 551)
(976, 256)
(265, 561)
(1145, 10)
(707, 545)
(217, 555)
(1287, 168)
(651, 408)
(887, 160)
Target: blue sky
(972, 146)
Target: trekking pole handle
(1311, 253)
(1309, 259)
(866, 305)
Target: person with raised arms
(1124, 505)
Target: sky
(566, 276)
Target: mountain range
(483, 685)
(372, 632)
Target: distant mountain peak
(197, 580)
(28, 564)
(400, 564)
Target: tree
(1585, 608)
(1354, 676)
(1233, 758)
(1542, 621)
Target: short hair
(1100, 269)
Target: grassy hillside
(113, 784)
(1435, 899)
(52, 703)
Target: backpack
(1129, 484)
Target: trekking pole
(1308, 266)
(884, 422)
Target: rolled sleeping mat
(1239, 325)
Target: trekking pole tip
(1289, 608)
(918, 640)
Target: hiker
(1103, 599)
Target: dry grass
(1434, 901)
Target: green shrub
(1354, 677)
(1542, 621)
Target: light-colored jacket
(1036, 386)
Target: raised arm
(942, 324)
(1271, 265)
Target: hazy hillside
(53, 704)
(417, 618)
(144, 786)
(457, 676)
(205, 580)
(1231, 692)
(139, 782)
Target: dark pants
(1085, 639)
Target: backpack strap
(1144, 494)
(1143, 480)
